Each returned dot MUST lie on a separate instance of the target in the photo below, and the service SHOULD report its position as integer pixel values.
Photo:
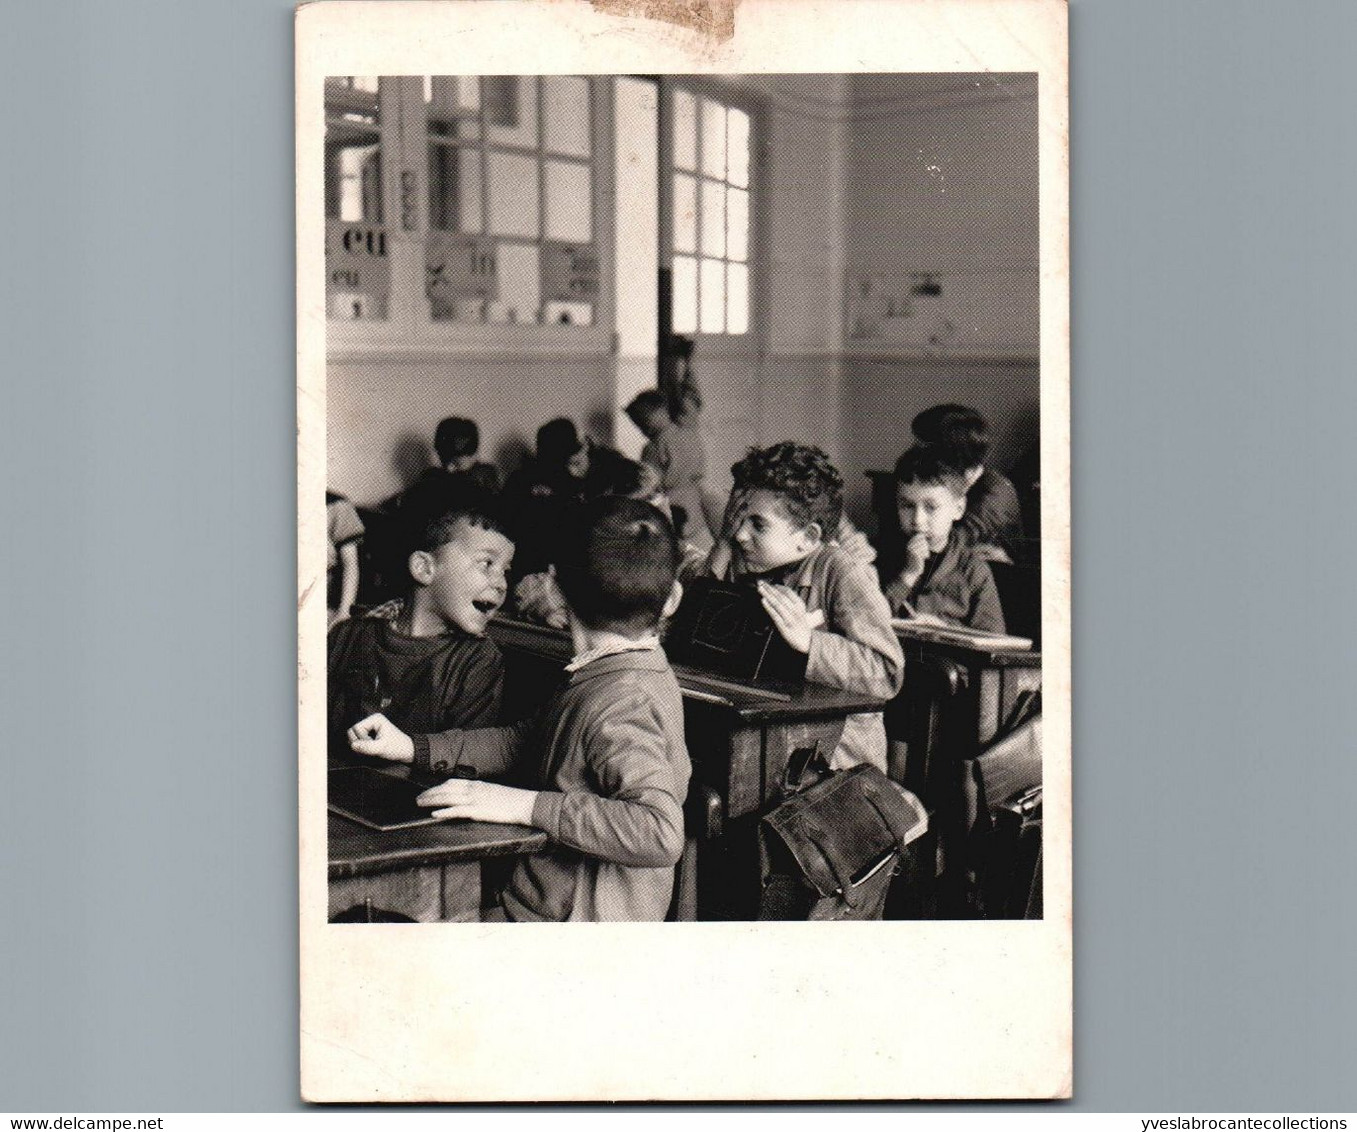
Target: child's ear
(813, 534)
(422, 567)
(960, 501)
(671, 603)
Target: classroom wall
(943, 183)
(381, 414)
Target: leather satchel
(830, 849)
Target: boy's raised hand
(378, 736)
(480, 801)
(789, 614)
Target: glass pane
(713, 218)
(452, 94)
(353, 178)
(519, 284)
(513, 195)
(713, 138)
(737, 224)
(685, 295)
(685, 130)
(566, 106)
(685, 213)
(455, 189)
(737, 149)
(569, 201)
(569, 314)
(713, 296)
(366, 83)
(737, 298)
(511, 110)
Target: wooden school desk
(739, 738)
(955, 699)
(429, 872)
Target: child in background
(824, 602)
(604, 763)
(537, 596)
(457, 440)
(675, 451)
(427, 664)
(993, 515)
(346, 529)
(541, 491)
(944, 579)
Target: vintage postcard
(687, 386)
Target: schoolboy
(824, 601)
(944, 577)
(426, 663)
(675, 451)
(457, 441)
(993, 517)
(603, 767)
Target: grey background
(147, 787)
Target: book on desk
(959, 635)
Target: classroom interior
(837, 252)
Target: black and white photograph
(695, 460)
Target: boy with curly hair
(825, 602)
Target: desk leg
(461, 892)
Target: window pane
(519, 285)
(713, 296)
(737, 150)
(455, 189)
(358, 182)
(737, 224)
(569, 201)
(566, 105)
(713, 218)
(685, 130)
(685, 213)
(513, 195)
(713, 138)
(685, 295)
(737, 298)
(452, 95)
(511, 110)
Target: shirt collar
(611, 645)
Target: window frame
(409, 330)
(724, 343)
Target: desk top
(974, 655)
(356, 850)
(764, 702)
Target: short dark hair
(958, 431)
(431, 510)
(456, 437)
(811, 487)
(645, 404)
(621, 476)
(616, 563)
(928, 464)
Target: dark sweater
(421, 684)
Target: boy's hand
(916, 557)
(378, 736)
(480, 801)
(789, 615)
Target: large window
(511, 194)
(710, 163)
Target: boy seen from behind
(602, 768)
(944, 578)
(824, 601)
